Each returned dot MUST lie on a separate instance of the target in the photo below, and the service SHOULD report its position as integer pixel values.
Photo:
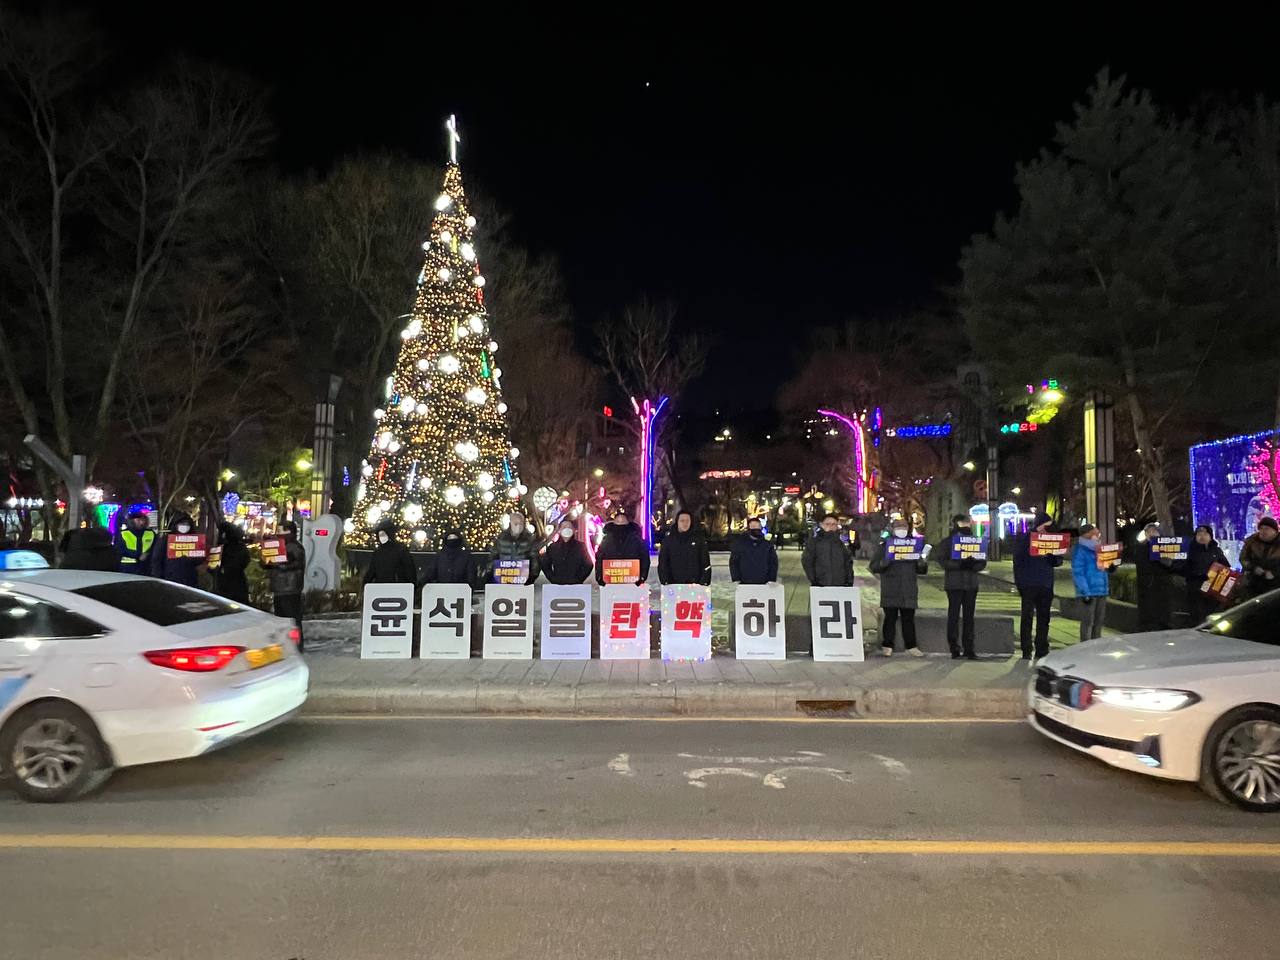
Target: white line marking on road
(896, 767)
(581, 718)
(696, 777)
(803, 756)
(621, 765)
(777, 778)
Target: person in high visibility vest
(133, 544)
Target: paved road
(475, 838)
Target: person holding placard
(683, 556)
(566, 560)
(230, 575)
(827, 561)
(1260, 559)
(1155, 607)
(1033, 577)
(622, 541)
(753, 559)
(286, 578)
(1092, 580)
(515, 545)
(184, 565)
(1202, 553)
(960, 581)
(899, 591)
(391, 561)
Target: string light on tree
(446, 462)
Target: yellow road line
(326, 717)
(545, 845)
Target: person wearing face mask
(134, 543)
(453, 564)
(1202, 553)
(960, 581)
(1034, 578)
(286, 578)
(899, 593)
(184, 570)
(683, 556)
(753, 559)
(391, 561)
(1093, 585)
(515, 543)
(566, 559)
(1260, 559)
(1155, 604)
(826, 560)
(622, 540)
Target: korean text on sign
(686, 622)
(386, 629)
(273, 551)
(1221, 582)
(185, 545)
(759, 628)
(624, 622)
(508, 622)
(968, 548)
(511, 571)
(1169, 548)
(904, 548)
(835, 615)
(621, 571)
(1108, 554)
(566, 621)
(445, 633)
(215, 558)
(1050, 544)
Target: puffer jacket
(684, 557)
(1035, 572)
(753, 560)
(1089, 580)
(899, 579)
(1257, 555)
(622, 542)
(958, 574)
(454, 563)
(286, 578)
(566, 561)
(182, 570)
(827, 561)
(510, 547)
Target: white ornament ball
(478, 280)
(454, 496)
(443, 201)
(426, 245)
(420, 409)
(446, 236)
(373, 516)
(467, 450)
(471, 221)
(477, 396)
(513, 493)
(349, 525)
(412, 513)
(393, 446)
(476, 322)
(502, 407)
(379, 413)
(424, 364)
(485, 481)
(449, 364)
(366, 470)
(515, 453)
(385, 505)
(493, 345)
(444, 274)
(487, 496)
(468, 252)
(407, 404)
(522, 488)
(384, 439)
(419, 537)
(425, 483)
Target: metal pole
(73, 476)
(993, 500)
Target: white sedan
(105, 670)
(1198, 704)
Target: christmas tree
(441, 456)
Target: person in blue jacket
(1033, 576)
(1093, 584)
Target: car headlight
(1145, 698)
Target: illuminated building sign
(919, 430)
(1020, 427)
(726, 475)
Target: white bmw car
(106, 670)
(1199, 704)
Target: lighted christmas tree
(441, 456)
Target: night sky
(768, 178)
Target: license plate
(264, 656)
(1053, 710)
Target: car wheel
(1241, 760)
(53, 753)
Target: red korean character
(625, 620)
(689, 616)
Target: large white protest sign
(624, 622)
(686, 622)
(445, 631)
(759, 622)
(566, 621)
(835, 616)
(386, 626)
(508, 622)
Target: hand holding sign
(968, 548)
(904, 548)
(1050, 544)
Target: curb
(668, 700)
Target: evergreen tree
(441, 457)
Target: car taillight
(295, 635)
(194, 659)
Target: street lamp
(970, 466)
(598, 472)
(303, 464)
(1017, 491)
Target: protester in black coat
(683, 556)
(752, 558)
(515, 543)
(454, 563)
(1202, 553)
(230, 573)
(1034, 578)
(566, 559)
(391, 561)
(826, 560)
(1260, 559)
(899, 593)
(183, 570)
(622, 541)
(960, 581)
(1155, 604)
(89, 548)
(287, 579)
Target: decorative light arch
(648, 413)
(862, 487)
